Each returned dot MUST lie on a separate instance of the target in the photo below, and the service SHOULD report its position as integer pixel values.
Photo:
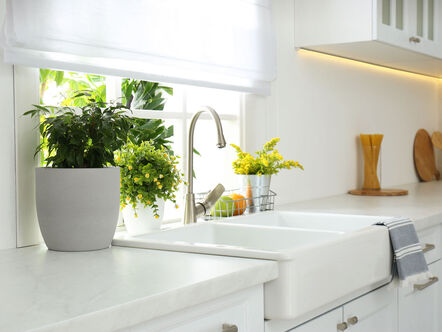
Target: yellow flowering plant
(266, 162)
(147, 174)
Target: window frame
(113, 92)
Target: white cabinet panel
(424, 17)
(419, 310)
(410, 24)
(430, 239)
(376, 311)
(316, 21)
(242, 311)
(392, 22)
(325, 323)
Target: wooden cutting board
(424, 157)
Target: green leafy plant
(84, 139)
(147, 174)
(81, 89)
(153, 130)
(144, 95)
(267, 161)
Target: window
(211, 166)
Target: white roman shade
(226, 44)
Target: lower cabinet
(324, 323)
(419, 305)
(239, 312)
(376, 311)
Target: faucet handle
(212, 198)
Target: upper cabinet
(411, 24)
(402, 34)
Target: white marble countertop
(114, 288)
(423, 204)
(109, 289)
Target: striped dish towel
(409, 260)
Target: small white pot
(146, 221)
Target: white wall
(7, 164)
(439, 152)
(319, 105)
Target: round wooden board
(436, 138)
(424, 157)
(380, 192)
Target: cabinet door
(419, 306)
(424, 17)
(410, 24)
(376, 311)
(392, 22)
(326, 323)
(242, 312)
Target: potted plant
(256, 172)
(149, 177)
(77, 193)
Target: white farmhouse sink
(320, 263)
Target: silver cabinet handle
(353, 320)
(342, 326)
(428, 247)
(230, 328)
(431, 281)
(414, 40)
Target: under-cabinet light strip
(367, 64)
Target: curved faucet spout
(221, 141)
(192, 211)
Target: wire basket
(238, 207)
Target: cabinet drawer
(242, 312)
(430, 240)
(375, 311)
(419, 308)
(324, 323)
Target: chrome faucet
(192, 210)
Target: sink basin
(233, 240)
(324, 260)
(306, 220)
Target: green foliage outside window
(94, 85)
(143, 95)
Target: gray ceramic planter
(77, 208)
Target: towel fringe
(411, 280)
